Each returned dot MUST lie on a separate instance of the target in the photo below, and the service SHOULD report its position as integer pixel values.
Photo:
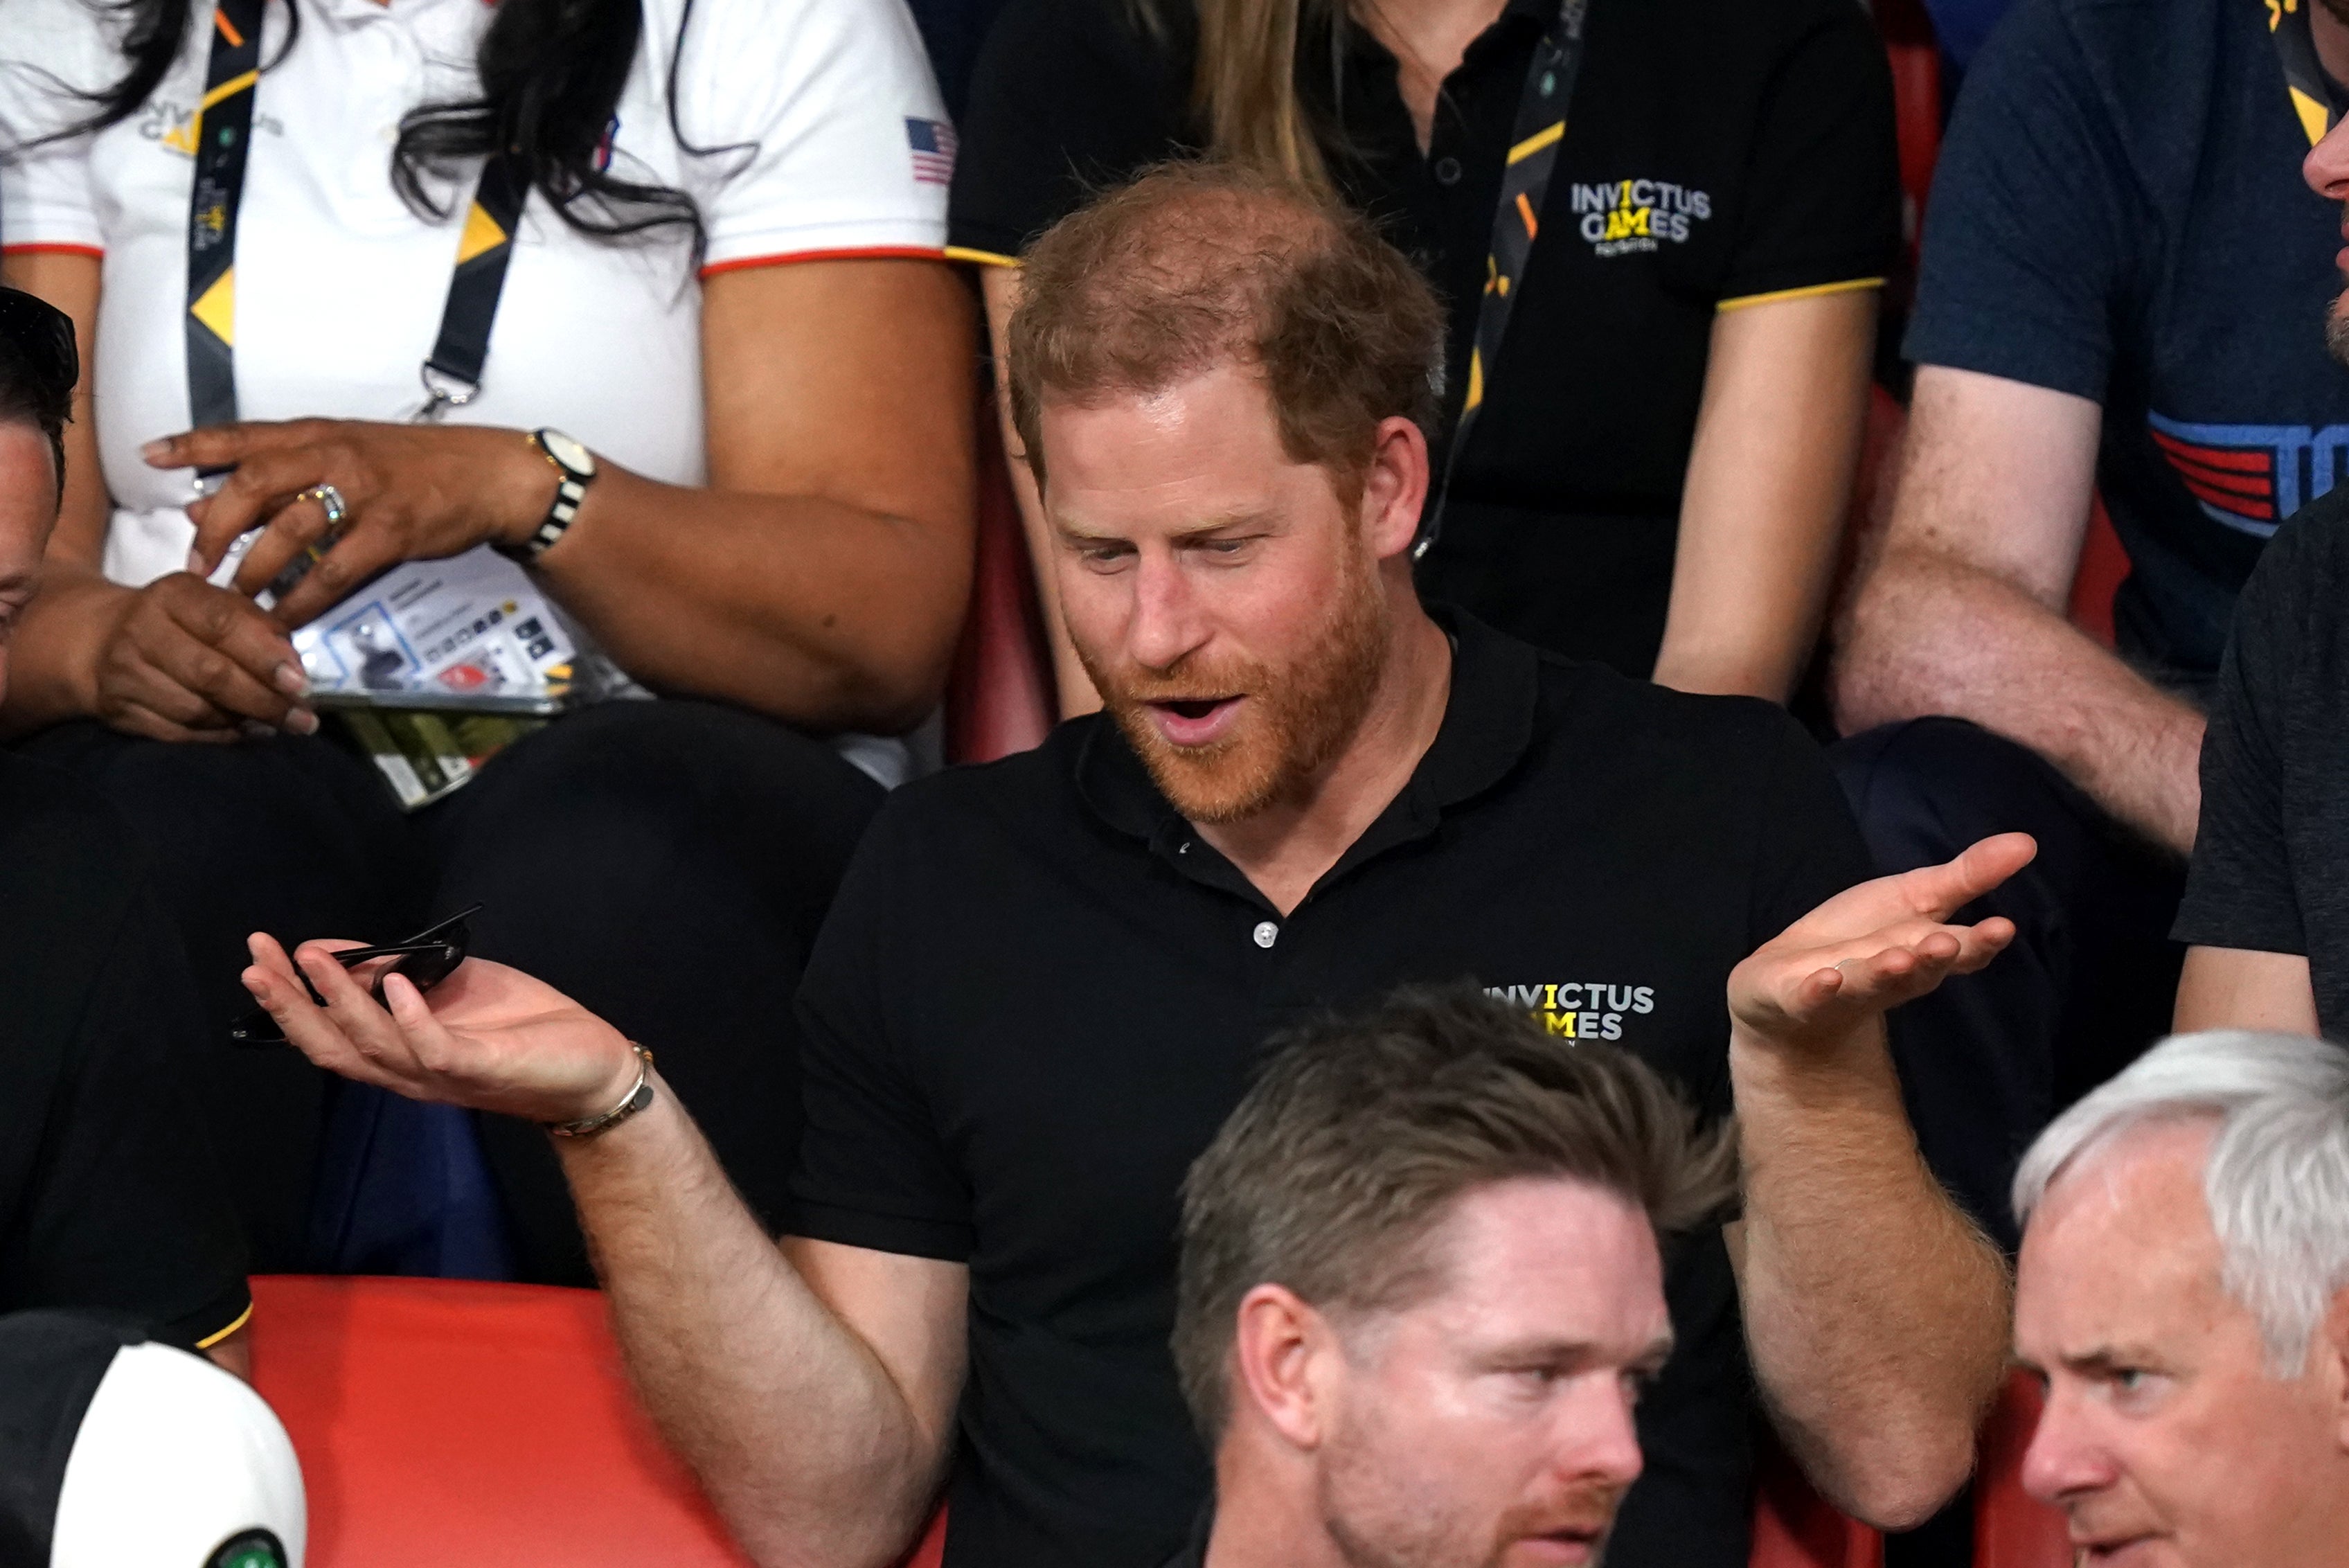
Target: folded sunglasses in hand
(426, 959)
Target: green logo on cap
(248, 1548)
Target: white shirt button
(1266, 933)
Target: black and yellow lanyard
(2303, 79)
(223, 134)
(1524, 181)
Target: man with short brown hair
(1421, 1289)
(1043, 984)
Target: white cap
(177, 1464)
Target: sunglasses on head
(426, 959)
(44, 336)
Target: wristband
(635, 1100)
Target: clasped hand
(492, 1038)
(411, 493)
(1871, 948)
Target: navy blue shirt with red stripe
(2119, 213)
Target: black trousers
(1989, 1059)
(665, 863)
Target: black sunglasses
(427, 958)
(44, 336)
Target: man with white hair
(2183, 1295)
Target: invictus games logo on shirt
(1579, 1009)
(1621, 217)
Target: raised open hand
(491, 1038)
(1873, 946)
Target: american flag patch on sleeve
(933, 141)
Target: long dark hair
(550, 74)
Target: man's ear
(1285, 1359)
(1394, 490)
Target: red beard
(1297, 716)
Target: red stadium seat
(453, 1421)
(2012, 1528)
(2103, 565)
(999, 696)
(1793, 1527)
(932, 1552)
(1916, 60)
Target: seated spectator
(2095, 311)
(110, 1197)
(2263, 905)
(2183, 1294)
(123, 1453)
(1656, 470)
(1045, 982)
(1420, 1289)
(759, 510)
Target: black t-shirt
(1717, 151)
(2119, 213)
(110, 1194)
(1040, 994)
(2271, 869)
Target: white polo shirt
(826, 111)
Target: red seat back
(1793, 1527)
(2013, 1529)
(999, 696)
(454, 1421)
(1916, 60)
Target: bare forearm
(2236, 987)
(796, 1430)
(1929, 635)
(1876, 1315)
(811, 609)
(1769, 479)
(53, 658)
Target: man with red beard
(1421, 1289)
(1044, 984)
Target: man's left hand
(1871, 948)
(410, 492)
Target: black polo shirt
(1040, 993)
(110, 1194)
(1717, 152)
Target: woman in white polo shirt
(747, 483)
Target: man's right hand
(491, 1038)
(184, 660)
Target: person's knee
(632, 793)
(1924, 789)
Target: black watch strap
(570, 489)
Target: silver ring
(330, 500)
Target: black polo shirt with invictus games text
(1040, 991)
(1717, 155)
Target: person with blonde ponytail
(1655, 457)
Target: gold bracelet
(635, 1100)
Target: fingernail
(254, 729)
(301, 721)
(288, 679)
(196, 563)
(156, 449)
